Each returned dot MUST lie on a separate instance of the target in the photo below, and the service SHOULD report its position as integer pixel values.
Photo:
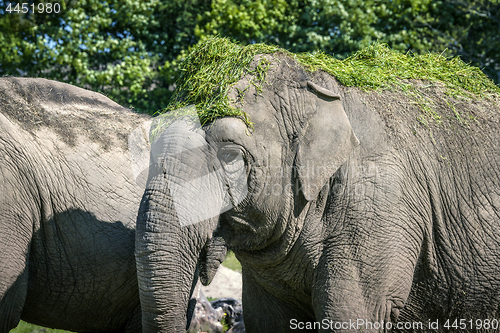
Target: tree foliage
(125, 49)
(341, 27)
(471, 30)
(130, 50)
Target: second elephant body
(68, 203)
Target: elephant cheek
(199, 199)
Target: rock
(207, 316)
(233, 313)
(238, 328)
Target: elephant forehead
(183, 135)
(228, 129)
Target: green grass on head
(216, 64)
(208, 73)
(378, 66)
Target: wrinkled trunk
(166, 255)
(177, 218)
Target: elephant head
(178, 215)
(250, 185)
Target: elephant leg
(263, 312)
(361, 295)
(14, 249)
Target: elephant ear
(325, 143)
(212, 255)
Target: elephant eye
(233, 166)
(231, 158)
(228, 156)
(228, 153)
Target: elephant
(345, 211)
(68, 205)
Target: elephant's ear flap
(325, 143)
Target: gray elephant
(68, 206)
(350, 216)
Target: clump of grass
(210, 70)
(378, 66)
(215, 65)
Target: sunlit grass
(24, 327)
(378, 66)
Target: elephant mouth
(238, 232)
(233, 220)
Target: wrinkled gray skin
(353, 211)
(68, 206)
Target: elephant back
(67, 110)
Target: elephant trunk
(177, 218)
(166, 257)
